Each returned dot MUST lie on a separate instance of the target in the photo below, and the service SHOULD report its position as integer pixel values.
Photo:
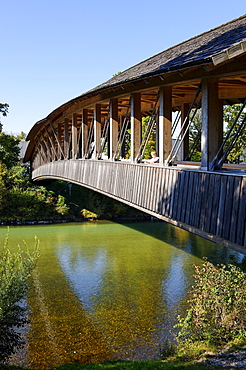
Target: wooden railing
(207, 203)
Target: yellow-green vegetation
(217, 312)
(15, 269)
(88, 214)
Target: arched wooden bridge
(97, 139)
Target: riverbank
(128, 365)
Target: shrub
(217, 312)
(15, 268)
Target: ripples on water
(105, 291)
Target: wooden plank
(181, 193)
(173, 180)
(235, 209)
(204, 200)
(221, 209)
(241, 214)
(185, 196)
(210, 197)
(228, 208)
(189, 198)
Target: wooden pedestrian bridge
(100, 139)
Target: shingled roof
(195, 51)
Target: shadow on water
(188, 242)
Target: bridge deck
(210, 204)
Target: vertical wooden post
(212, 122)
(122, 149)
(66, 139)
(59, 135)
(165, 123)
(136, 124)
(97, 130)
(113, 127)
(74, 135)
(185, 146)
(84, 132)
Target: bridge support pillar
(113, 127)
(136, 125)
(165, 123)
(66, 139)
(185, 146)
(212, 122)
(74, 135)
(84, 132)
(97, 130)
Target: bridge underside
(209, 204)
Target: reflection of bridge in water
(200, 75)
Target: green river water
(105, 291)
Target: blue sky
(55, 50)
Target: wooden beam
(185, 147)
(84, 132)
(136, 125)
(212, 121)
(165, 123)
(66, 139)
(97, 130)
(74, 135)
(113, 127)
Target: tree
(9, 150)
(3, 110)
(238, 152)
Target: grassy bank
(128, 365)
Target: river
(105, 291)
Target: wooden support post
(51, 142)
(165, 123)
(47, 147)
(136, 124)
(59, 136)
(185, 146)
(113, 128)
(212, 122)
(74, 135)
(122, 149)
(97, 130)
(66, 139)
(84, 132)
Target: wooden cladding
(199, 201)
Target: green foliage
(88, 214)
(3, 110)
(151, 145)
(90, 204)
(238, 153)
(61, 207)
(9, 150)
(20, 200)
(217, 312)
(15, 269)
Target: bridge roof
(200, 49)
(214, 46)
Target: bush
(217, 312)
(15, 268)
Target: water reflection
(106, 291)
